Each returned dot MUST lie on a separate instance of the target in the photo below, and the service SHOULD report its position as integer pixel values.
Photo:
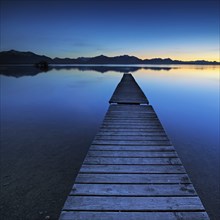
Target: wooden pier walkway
(132, 171)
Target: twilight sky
(187, 30)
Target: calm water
(48, 121)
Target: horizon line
(173, 59)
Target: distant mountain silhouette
(17, 57)
(125, 59)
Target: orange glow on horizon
(182, 56)
(214, 56)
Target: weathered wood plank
(131, 120)
(142, 107)
(144, 122)
(133, 190)
(130, 142)
(130, 133)
(133, 108)
(130, 127)
(108, 203)
(131, 116)
(131, 138)
(132, 112)
(127, 108)
(132, 148)
(132, 178)
(114, 106)
(145, 108)
(132, 169)
(122, 161)
(126, 101)
(140, 154)
(79, 215)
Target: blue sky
(186, 30)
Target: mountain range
(18, 57)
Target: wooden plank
(145, 108)
(131, 111)
(88, 215)
(143, 122)
(117, 106)
(122, 161)
(126, 108)
(130, 116)
(132, 169)
(131, 125)
(132, 148)
(156, 123)
(130, 133)
(128, 100)
(131, 128)
(131, 138)
(141, 154)
(130, 142)
(109, 203)
(128, 129)
(133, 190)
(120, 107)
(130, 120)
(132, 178)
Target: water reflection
(22, 70)
(18, 71)
(107, 68)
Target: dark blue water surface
(49, 119)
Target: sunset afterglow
(186, 30)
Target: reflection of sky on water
(187, 103)
(71, 104)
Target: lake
(49, 119)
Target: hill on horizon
(19, 57)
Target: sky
(185, 30)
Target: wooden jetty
(132, 171)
